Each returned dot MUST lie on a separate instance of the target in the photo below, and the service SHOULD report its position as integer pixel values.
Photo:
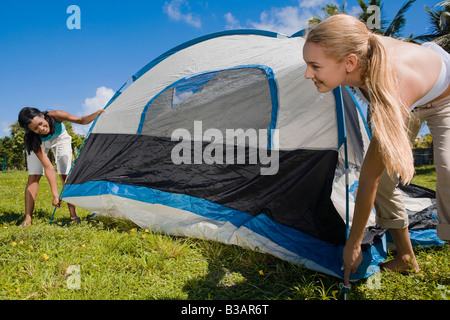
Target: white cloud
(314, 3)
(99, 101)
(5, 129)
(285, 20)
(176, 10)
(232, 22)
(354, 11)
(102, 97)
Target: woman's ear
(351, 62)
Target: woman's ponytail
(388, 113)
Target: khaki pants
(390, 209)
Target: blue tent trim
(300, 33)
(328, 259)
(187, 44)
(425, 238)
(342, 136)
(421, 238)
(195, 205)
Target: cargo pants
(391, 212)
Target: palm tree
(330, 10)
(398, 23)
(440, 25)
(393, 30)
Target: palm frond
(398, 23)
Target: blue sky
(46, 65)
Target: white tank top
(444, 77)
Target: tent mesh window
(215, 98)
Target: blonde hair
(342, 35)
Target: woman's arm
(60, 116)
(371, 172)
(50, 174)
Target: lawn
(114, 259)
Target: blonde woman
(406, 84)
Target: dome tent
(222, 138)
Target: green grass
(118, 260)
(425, 176)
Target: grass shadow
(425, 170)
(109, 223)
(10, 217)
(236, 273)
(17, 217)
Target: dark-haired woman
(45, 131)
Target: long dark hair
(32, 140)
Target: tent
(222, 138)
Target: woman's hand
(352, 259)
(56, 202)
(50, 173)
(371, 171)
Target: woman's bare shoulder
(416, 68)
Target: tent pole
(347, 205)
(342, 133)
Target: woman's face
(39, 125)
(325, 72)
